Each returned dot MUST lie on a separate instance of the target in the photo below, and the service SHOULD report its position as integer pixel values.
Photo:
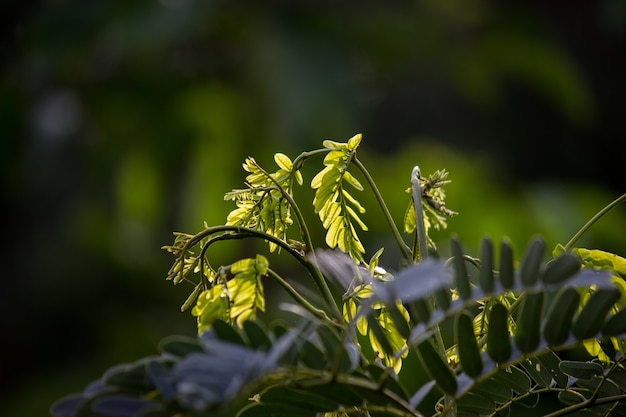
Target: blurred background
(121, 122)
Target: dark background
(121, 122)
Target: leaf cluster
(264, 204)
(337, 208)
(466, 336)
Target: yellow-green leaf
(353, 201)
(316, 182)
(334, 231)
(336, 158)
(355, 217)
(212, 304)
(331, 144)
(352, 181)
(602, 259)
(283, 161)
(329, 213)
(298, 177)
(323, 196)
(354, 141)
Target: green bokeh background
(121, 122)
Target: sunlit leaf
(602, 259)
(349, 178)
(283, 161)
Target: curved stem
(416, 191)
(404, 248)
(594, 219)
(300, 159)
(239, 232)
(298, 298)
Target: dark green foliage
(498, 340)
(437, 368)
(592, 317)
(469, 353)
(506, 265)
(460, 271)
(351, 351)
(486, 265)
(529, 321)
(531, 262)
(559, 317)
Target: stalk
(404, 248)
(416, 191)
(594, 219)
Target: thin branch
(229, 232)
(416, 191)
(404, 248)
(321, 314)
(594, 219)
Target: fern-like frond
(433, 205)
(264, 205)
(338, 210)
(235, 297)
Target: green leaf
(349, 178)
(304, 399)
(379, 333)
(132, 377)
(258, 337)
(180, 346)
(330, 144)
(383, 376)
(476, 404)
(491, 388)
(469, 354)
(581, 370)
(283, 161)
(561, 269)
(242, 265)
(515, 379)
(313, 357)
(531, 262)
(616, 325)
(528, 332)
(420, 310)
(239, 301)
(602, 259)
(246, 297)
(437, 369)
(486, 265)
(373, 263)
(335, 232)
(353, 202)
(338, 209)
(227, 333)
(399, 317)
(356, 218)
(212, 304)
(461, 276)
(354, 141)
(591, 318)
(330, 174)
(193, 297)
(498, 340)
(443, 298)
(559, 317)
(544, 369)
(409, 218)
(529, 401)
(263, 206)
